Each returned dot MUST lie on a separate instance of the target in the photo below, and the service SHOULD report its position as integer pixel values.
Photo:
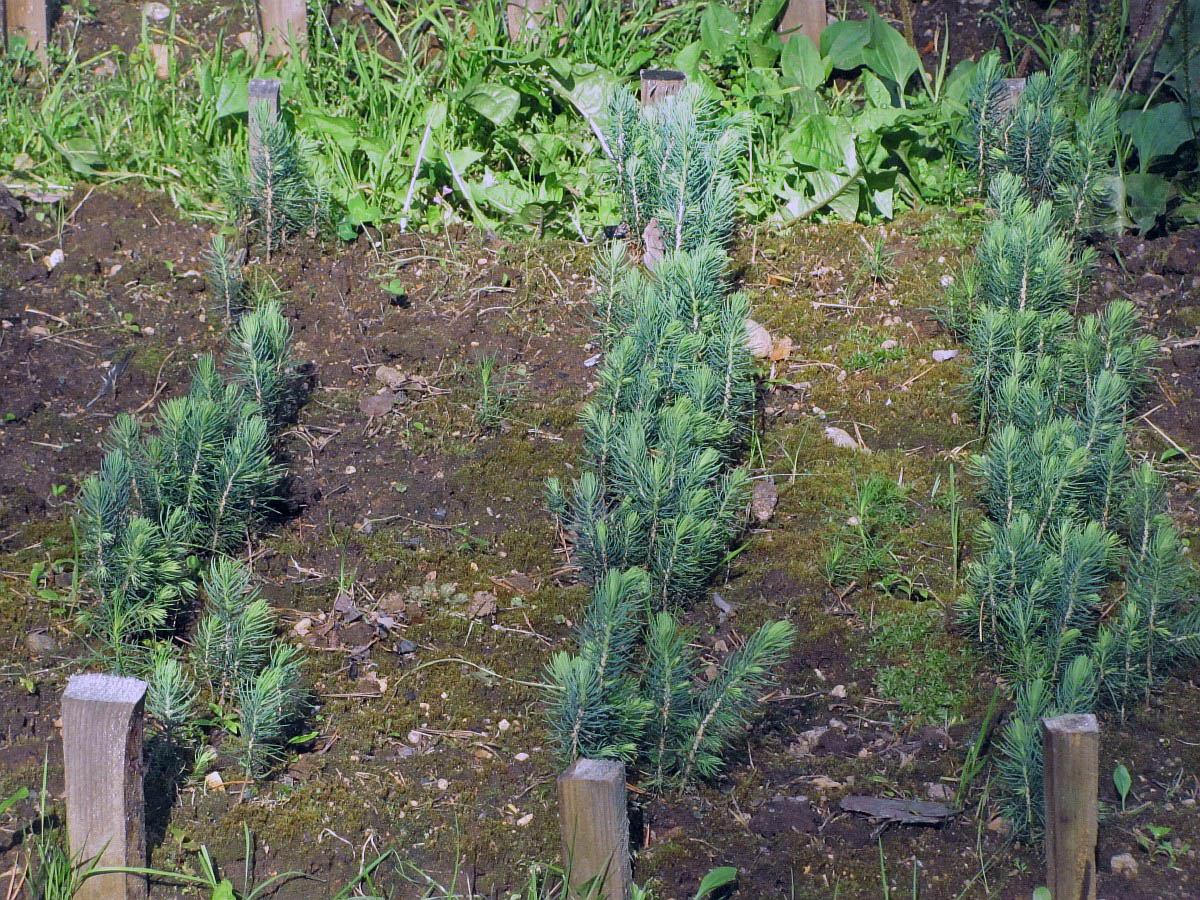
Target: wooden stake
(658, 84)
(806, 17)
(30, 18)
(263, 96)
(595, 828)
(1071, 746)
(283, 22)
(102, 757)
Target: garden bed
(413, 557)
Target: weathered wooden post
(595, 829)
(30, 18)
(102, 756)
(283, 23)
(659, 84)
(263, 103)
(524, 16)
(1071, 748)
(806, 17)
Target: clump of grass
(496, 389)
(929, 681)
(864, 547)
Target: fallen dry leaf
(652, 241)
(482, 604)
(758, 340)
(376, 404)
(781, 349)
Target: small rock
(303, 627)
(376, 404)
(442, 784)
(521, 757)
(482, 604)
(758, 340)
(214, 782)
(764, 500)
(38, 331)
(416, 737)
(525, 819)
(1124, 864)
(839, 691)
(504, 725)
(249, 42)
(943, 355)
(39, 643)
(405, 647)
(53, 259)
(889, 345)
(938, 791)
(841, 438)
(999, 825)
(159, 12)
(350, 470)
(781, 349)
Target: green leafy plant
(1068, 513)
(1122, 781)
(865, 546)
(279, 194)
(226, 281)
(655, 512)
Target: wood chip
(906, 812)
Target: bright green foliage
(270, 701)
(1069, 517)
(261, 356)
(673, 164)
(171, 694)
(654, 513)
(606, 705)
(1055, 157)
(865, 548)
(226, 281)
(278, 195)
(197, 483)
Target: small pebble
(521, 757)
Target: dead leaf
(390, 376)
(393, 603)
(764, 500)
(781, 349)
(344, 604)
(376, 404)
(822, 783)
(758, 340)
(482, 604)
(652, 241)
(516, 583)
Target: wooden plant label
(803, 17)
(1071, 747)
(595, 830)
(658, 84)
(263, 94)
(30, 18)
(102, 757)
(283, 22)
